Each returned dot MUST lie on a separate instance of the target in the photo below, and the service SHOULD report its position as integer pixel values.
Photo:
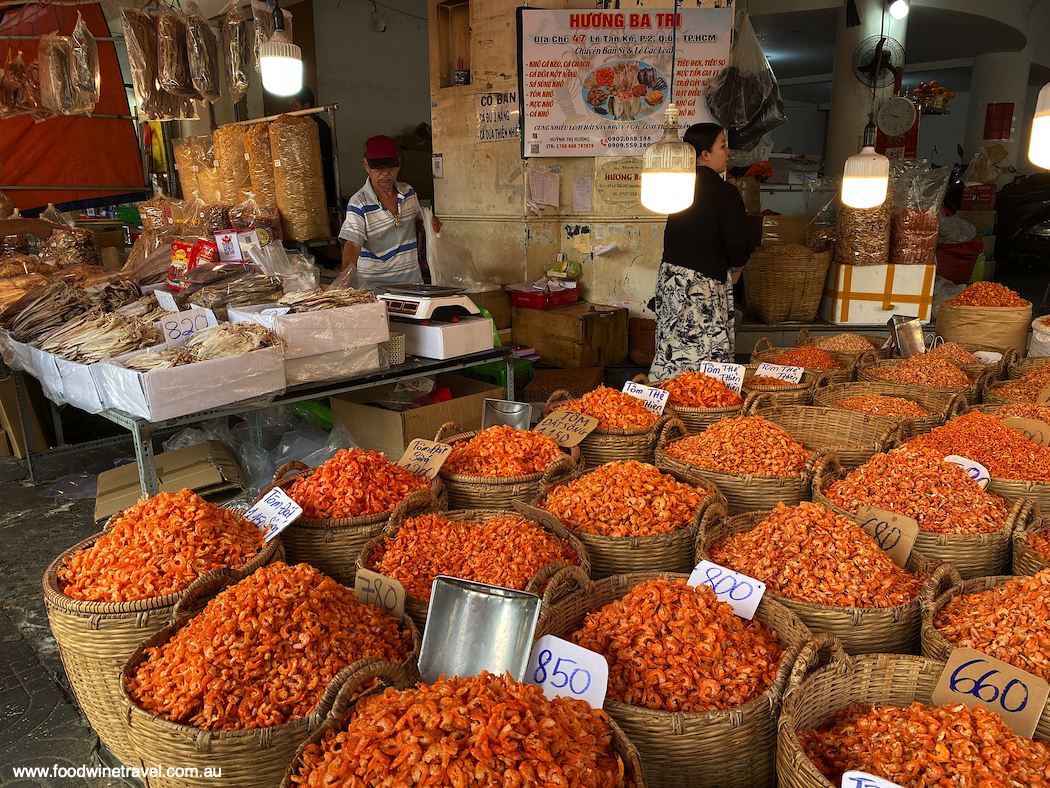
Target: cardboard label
(544, 518)
(564, 670)
(976, 679)
(973, 469)
(654, 399)
(865, 780)
(743, 593)
(780, 372)
(1036, 431)
(567, 427)
(1044, 395)
(166, 300)
(988, 357)
(274, 513)
(730, 374)
(386, 593)
(895, 533)
(425, 457)
(179, 327)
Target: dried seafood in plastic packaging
(202, 48)
(84, 68)
(862, 236)
(252, 214)
(24, 264)
(11, 83)
(235, 51)
(260, 163)
(158, 212)
(216, 217)
(299, 178)
(173, 64)
(234, 177)
(913, 236)
(75, 246)
(56, 87)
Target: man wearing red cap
(382, 221)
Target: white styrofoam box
(16, 354)
(336, 365)
(79, 386)
(45, 369)
(875, 293)
(447, 340)
(179, 391)
(323, 330)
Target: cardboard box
(9, 417)
(390, 432)
(336, 365)
(978, 198)
(5, 444)
(784, 230)
(989, 247)
(209, 469)
(78, 385)
(574, 336)
(498, 304)
(793, 168)
(323, 330)
(984, 221)
(447, 340)
(875, 293)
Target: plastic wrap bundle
(75, 246)
(298, 177)
(185, 166)
(862, 236)
(235, 51)
(56, 88)
(31, 100)
(158, 212)
(207, 173)
(173, 63)
(140, 36)
(13, 77)
(263, 14)
(250, 214)
(917, 196)
(234, 177)
(202, 49)
(260, 163)
(84, 69)
(7, 206)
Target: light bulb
(669, 170)
(281, 63)
(899, 9)
(865, 179)
(1039, 144)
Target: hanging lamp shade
(669, 169)
(1039, 144)
(865, 179)
(899, 9)
(281, 63)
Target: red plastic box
(544, 300)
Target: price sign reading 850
(179, 327)
(865, 780)
(973, 469)
(564, 670)
(743, 593)
(425, 457)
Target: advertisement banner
(597, 83)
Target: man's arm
(351, 252)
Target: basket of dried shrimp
(347, 502)
(1001, 616)
(782, 391)
(875, 714)
(852, 437)
(959, 522)
(699, 400)
(669, 647)
(962, 355)
(917, 409)
(632, 516)
(931, 372)
(754, 463)
(1024, 389)
(840, 367)
(626, 430)
(136, 554)
(493, 546)
(1032, 547)
(856, 345)
(573, 746)
(827, 571)
(492, 468)
(240, 685)
(1025, 366)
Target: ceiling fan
(878, 60)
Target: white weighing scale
(427, 302)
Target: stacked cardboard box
(984, 221)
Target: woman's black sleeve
(731, 215)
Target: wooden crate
(574, 336)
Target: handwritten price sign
(1043, 396)
(743, 593)
(1036, 431)
(977, 679)
(544, 518)
(274, 513)
(894, 533)
(654, 399)
(179, 327)
(565, 670)
(380, 591)
(566, 427)
(425, 457)
(865, 780)
(166, 300)
(780, 372)
(973, 469)
(988, 357)
(730, 374)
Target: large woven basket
(781, 285)
(803, 339)
(670, 552)
(1026, 560)
(942, 406)
(743, 492)
(355, 689)
(95, 639)
(934, 644)
(800, 393)
(728, 749)
(418, 608)
(333, 545)
(971, 393)
(851, 436)
(696, 420)
(609, 445)
(764, 353)
(894, 630)
(992, 393)
(813, 698)
(995, 370)
(248, 758)
(972, 555)
(1021, 367)
(499, 492)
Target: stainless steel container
(907, 335)
(506, 412)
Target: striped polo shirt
(389, 253)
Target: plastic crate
(129, 214)
(549, 300)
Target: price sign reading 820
(563, 669)
(181, 326)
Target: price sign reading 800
(973, 469)
(563, 669)
(743, 593)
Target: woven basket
(743, 492)
(576, 381)
(941, 406)
(728, 749)
(972, 555)
(995, 371)
(780, 286)
(499, 492)
(351, 692)
(1021, 367)
(970, 393)
(418, 608)
(800, 393)
(248, 758)
(990, 393)
(935, 646)
(670, 552)
(803, 339)
(1026, 560)
(854, 438)
(764, 352)
(696, 420)
(813, 699)
(332, 546)
(608, 445)
(95, 639)
(893, 630)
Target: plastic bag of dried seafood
(251, 214)
(234, 177)
(173, 63)
(263, 14)
(158, 212)
(299, 178)
(235, 51)
(917, 196)
(202, 49)
(260, 163)
(862, 235)
(56, 89)
(7, 206)
(84, 69)
(140, 36)
(185, 166)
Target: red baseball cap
(381, 147)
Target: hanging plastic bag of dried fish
(263, 14)
(252, 215)
(235, 51)
(56, 89)
(173, 63)
(202, 48)
(84, 69)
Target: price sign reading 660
(565, 670)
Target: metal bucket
(499, 412)
(473, 627)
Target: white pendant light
(865, 179)
(1039, 145)
(669, 169)
(899, 9)
(281, 61)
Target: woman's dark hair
(702, 136)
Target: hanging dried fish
(312, 300)
(95, 336)
(49, 308)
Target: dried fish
(159, 359)
(49, 308)
(243, 291)
(145, 308)
(231, 339)
(22, 264)
(312, 300)
(111, 294)
(96, 335)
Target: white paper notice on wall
(581, 195)
(543, 186)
